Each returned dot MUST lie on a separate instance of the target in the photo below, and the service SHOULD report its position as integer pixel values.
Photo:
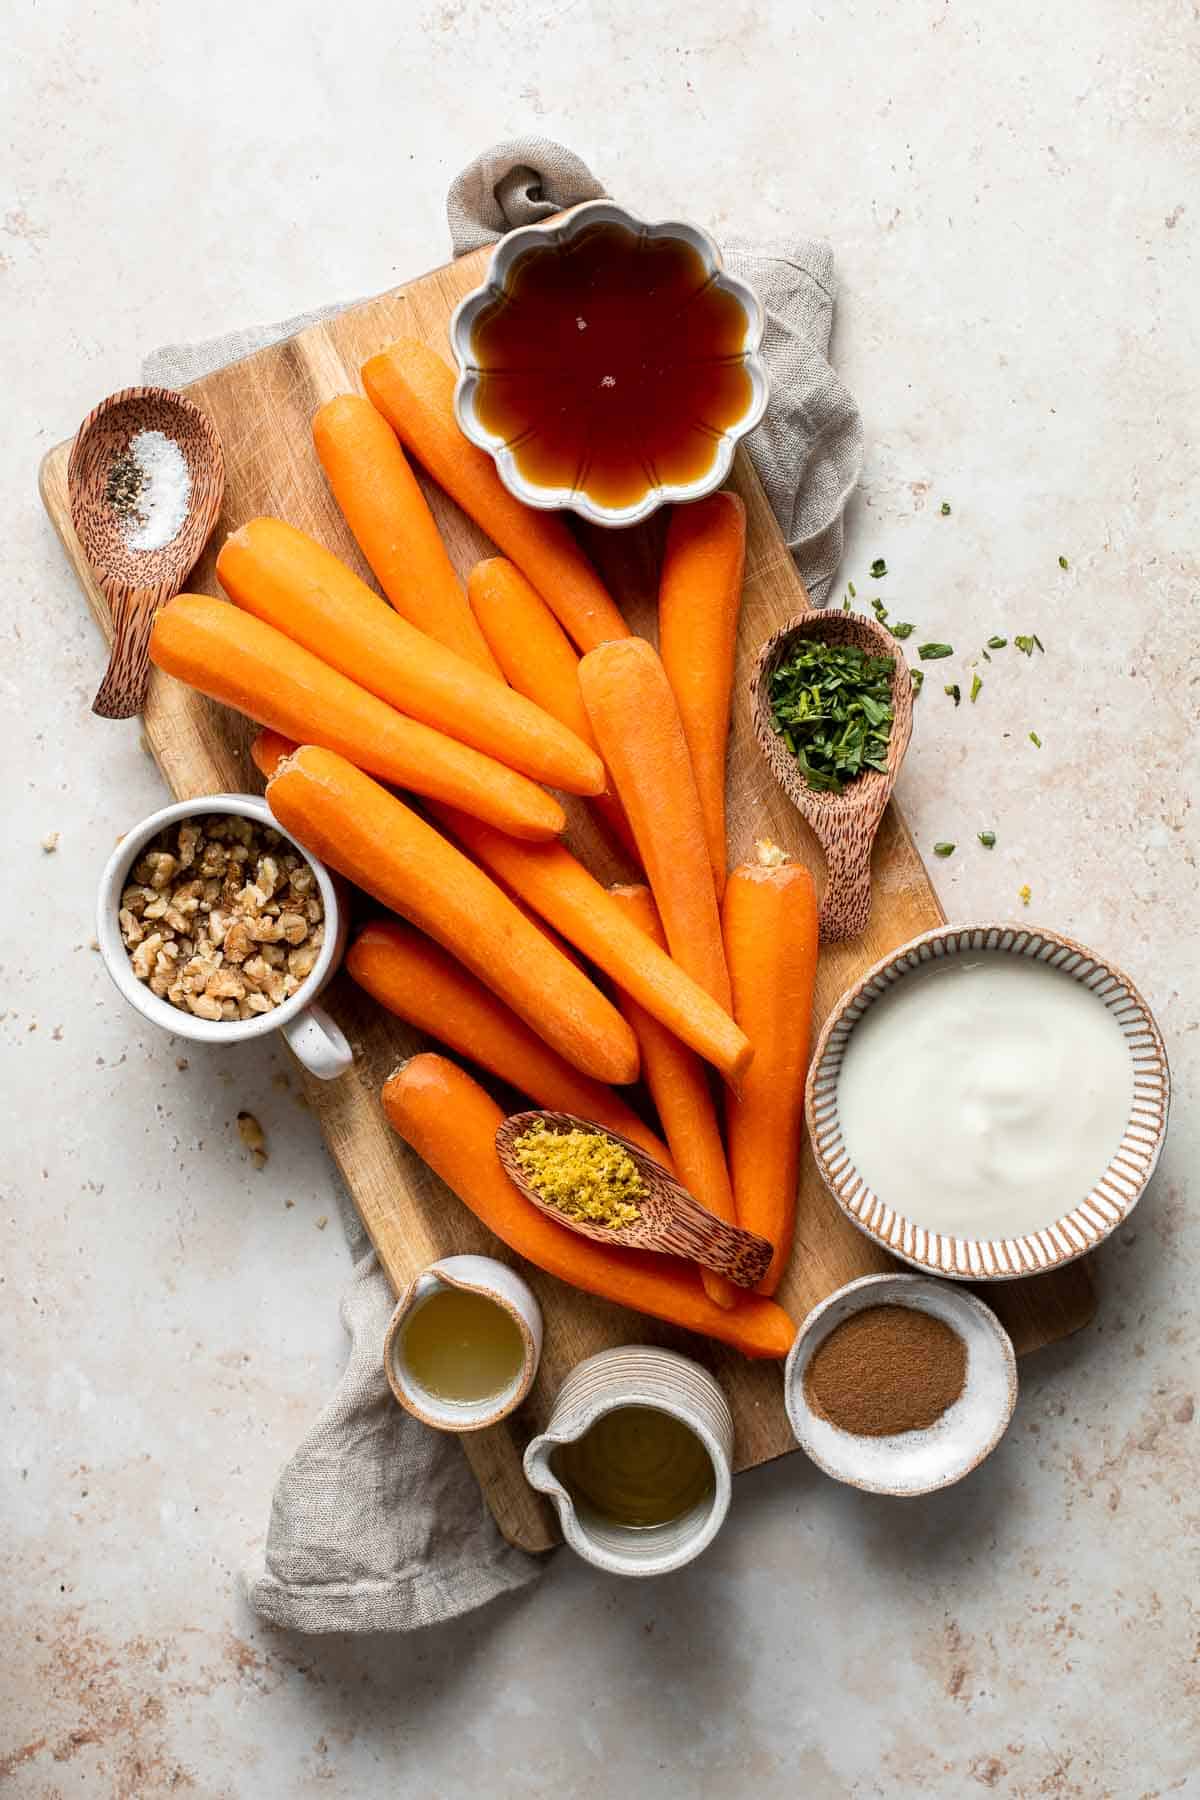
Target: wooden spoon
(844, 824)
(671, 1220)
(137, 582)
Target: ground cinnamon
(885, 1370)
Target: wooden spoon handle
(694, 1232)
(846, 902)
(122, 693)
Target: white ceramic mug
(636, 1375)
(311, 1034)
(474, 1275)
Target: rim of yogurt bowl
(565, 226)
(1080, 1227)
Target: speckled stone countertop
(1012, 193)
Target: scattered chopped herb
(932, 652)
(1025, 894)
(943, 849)
(1027, 645)
(985, 656)
(954, 691)
(853, 590)
(901, 629)
(996, 643)
(945, 509)
(1063, 563)
(1035, 739)
(832, 705)
(846, 603)
(878, 569)
(879, 609)
(1037, 640)
(918, 679)
(988, 839)
(976, 684)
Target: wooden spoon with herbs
(146, 479)
(603, 1186)
(831, 703)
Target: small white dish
(311, 1034)
(912, 1462)
(637, 1375)
(1086, 1219)
(474, 1275)
(507, 254)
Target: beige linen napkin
(377, 1524)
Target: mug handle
(318, 1043)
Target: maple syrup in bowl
(609, 365)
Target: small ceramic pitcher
(475, 1275)
(636, 1375)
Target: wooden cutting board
(262, 407)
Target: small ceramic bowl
(311, 1034)
(637, 1375)
(564, 230)
(913, 1462)
(475, 1275)
(1086, 1219)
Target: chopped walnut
(254, 1138)
(222, 918)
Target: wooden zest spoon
(137, 582)
(844, 824)
(671, 1220)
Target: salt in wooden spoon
(844, 824)
(136, 583)
(671, 1220)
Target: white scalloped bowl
(508, 252)
(1088, 1218)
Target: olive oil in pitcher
(636, 1466)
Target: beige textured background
(1012, 195)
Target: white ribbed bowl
(1087, 1219)
(637, 1375)
(507, 253)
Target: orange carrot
(288, 580)
(414, 390)
(243, 663)
(562, 890)
(372, 838)
(770, 918)
(539, 660)
(678, 1083)
(268, 750)
(636, 721)
(451, 1122)
(699, 598)
(418, 981)
(382, 503)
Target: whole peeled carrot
(637, 727)
(414, 390)
(382, 503)
(678, 1083)
(539, 660)
(451, 1122)
(561, 889)
(699, 599)
(770, 919)
(236, 659)
(375, 841)
(288, 580)
(418, 981)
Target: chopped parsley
(1027, 645)
(1035, 739)
(853, 590)
(932, 652)
(918, 679)
(996, 643)
(901, 628)
(832, 706)
(976, 684)
(988, 839)
(944, 509)
(1063, 563)
(878, 569)
(943, 849)
(954, 691)
(879, 609)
